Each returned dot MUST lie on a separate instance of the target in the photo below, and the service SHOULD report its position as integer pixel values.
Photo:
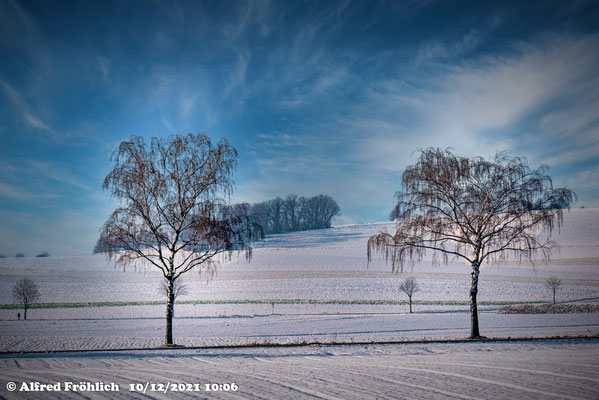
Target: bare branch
(25, 293)
(409, 286)
(174, 215)
(472, 208)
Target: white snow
(147, 329)
(519, 370)
(312, 267)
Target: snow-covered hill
(320, 276)
(328, 264)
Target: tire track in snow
(347, 372)
(174, 370)
(528, 371)
(259, 375)
(282, 369)
(394, 382)
(487, 381)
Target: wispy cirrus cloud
(24, 109)
(31, 179)
(58, 173)
(488, 103)
(317, 97)
(538, 98)
(18, 193)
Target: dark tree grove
(472, 209)
(174, 215)
(295, 213)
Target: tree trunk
(553, 296)
(25, 313)
(170, 311)
(474, 332)
(410, 297)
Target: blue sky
(317, 97)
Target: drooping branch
(170, 203)
(474, 209)
(471, 208)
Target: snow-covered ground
(322, 265)
(305, 269)
(518, 370)
(328, 291)
(148, 331)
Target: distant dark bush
(20, 255)
(2, 256)
(43, 254)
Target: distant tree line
(295, 213)
(238, 218)
(280, 215)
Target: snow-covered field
(518, 370)
(314, 273)
(144, 331)
(322, 265)
(323, 291)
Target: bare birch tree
(174, 213)
(25, 293)
(472, 209)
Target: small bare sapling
(553, 283)
(409, 286)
